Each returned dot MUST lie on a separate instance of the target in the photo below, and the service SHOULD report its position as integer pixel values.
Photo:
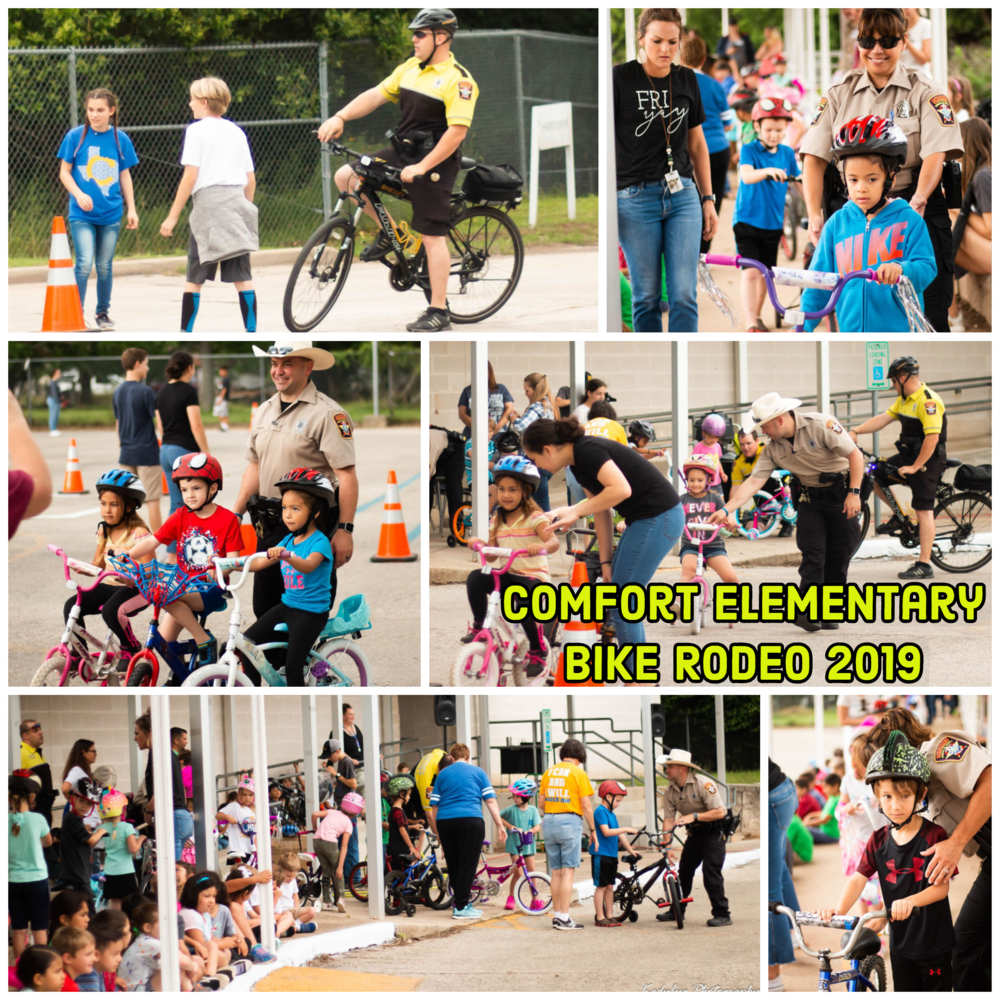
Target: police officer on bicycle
(921, 452)
(437, 98)
(696, 798)
(827, 470)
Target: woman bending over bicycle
(518, 523)
(120, 529)
(202, 530)
(700, 502)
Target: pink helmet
(112, 804)
(246, 784)
(352, 804)
(714, 424)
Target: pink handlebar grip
(723, 259)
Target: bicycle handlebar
(802, 919)
(69, 563)
(492, 550)
(699, 526)
(394, 173)
(225, 565)
(893, 470)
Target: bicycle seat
(868, 943)
(353, 615)
(633, 861)
(468, 163)
(953, 463)
(409, 858)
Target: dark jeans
(825, 537)
(478, 587)
(972, 954)
(451, 465)
(304, 628)
(542, 493)
(718, 164)
(708, 849)
(461, 841)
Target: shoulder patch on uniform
(951, 749)
(942, 108)
(835, 427)
(930, 407)
(465, 90)
(710, 788)
(343, 425)
(824, 103)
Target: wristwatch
(348, 526)
(856, 490)
(707, 197)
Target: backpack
(978, 478)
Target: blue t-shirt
(460, 790)
(97, 166)
(606, 846)
(763, 204)
(134, 404)
(90, 982)
(308, 591)
(713, 99)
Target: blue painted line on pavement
(413, 533)
(381, 499)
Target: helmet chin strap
(210, 499)
(890, 176)
(916, 809)
(425, 63)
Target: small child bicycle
(532, 894)
(630, 890)
(703, 600)
(769, 511)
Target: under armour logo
(915, 871)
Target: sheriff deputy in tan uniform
(882, 86)
(695, 797)
(827, 468)
(297, 428)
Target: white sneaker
(341, 906)
(55, 434)
(957, 323)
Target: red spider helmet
(198, 465)
(770, 107)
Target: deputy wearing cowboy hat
(297, 428)
(695, 797)
(828, 468)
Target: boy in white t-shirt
(241, 818)
(219, 177)
(286, 894)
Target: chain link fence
(281, 92)
(691, 726)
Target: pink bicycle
(79, 653)
(703, 600)
(532, 895)
(499, 648)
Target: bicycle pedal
(661, 903)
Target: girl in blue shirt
(97, 158)
(306, 557)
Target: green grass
(803, 715)
(732, 778)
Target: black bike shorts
(603, 869)
(233, 268)
(431, 199)
(757, 244)
(923, 484)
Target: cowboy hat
(766, 408)
(298, 349)
(675, 757)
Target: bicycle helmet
(399, 783)
(507, 443)
(524, 787)
(710, 463)
(352, 804)
(714, 424)
(308, 481)
(112, 804)
(743, 99)
(749, 70)
(198, 465)
(518, 467)
(770, 107)
(898, 759)
(871, 135)
(125, 484)
(246, 784)
(84, 788)
(23, 782)
(903, 367)
(438, 19)
(611, 787)
(384, 776)
(641, 428)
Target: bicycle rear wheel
(461, 523)
(395, 882)
(319, 274)
(436, 894)
(465, 671)
(487, 257)
(873, 969)
(963, 525)
(866, 519)
(626, 888)
(357, 882)
(348, 658)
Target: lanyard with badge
(671, 178)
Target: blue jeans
(780, 889)
(54, 407)
(562, 832)
(655, 226)
(94, 244)
(353, 853)
(183, 830)
(169, 453)
(542, 493)
(641, 550)
(574, 491)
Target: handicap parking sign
(877, 373)
(876, 364)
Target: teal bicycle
(336, 660)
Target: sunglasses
(423, 34)
(36, 728)
(887, 42)
(770, 105)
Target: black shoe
(786, 530)
(470, 636)
(431, 321)
(888, 527)
(918, 571)
(666, 915)
(803, 622)
(378, 249)
(105, 322)
(719, 922)
(829, 626)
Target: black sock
(189, 310)
(248, 306)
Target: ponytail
(903, 720)
(551, 432)
(540, 388)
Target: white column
(483, 703)
(310, 773)
(823, 376)
(578, 368)
(824, 49)
(629, 34)
(810, 48)
(741, 375)
(463, 720)
(720, 739)
(232, 735)
(375, 379)
(166, 897)
(818, 727)
(939, 46)
(203, 776)
(480, 436)
(373, 815)
(136, 769)
(649, 763)
(14, 731)
(262, 818)
(613, 295)
(679, 390)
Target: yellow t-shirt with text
(563, 786)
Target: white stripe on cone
(61, 276)
(60, 247)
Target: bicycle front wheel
(142, 669)
(675, 902)
(487, 257)
(764, 518)
(216, 675)
(350, 665)
(49, 674)
(436, 894)
(963, 526)
(790, 231)
(697, 605)
(865, 518)
(473, 668)
(533, 894)
(873, 969)
(357, 882)
(319, 274)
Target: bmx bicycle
(770, 510)
(860, 946)
(631, 890)
(499, 648)
(702, 600)
(71, 656)
(336, 660)
(422, 881)
(487, 251)
(532, 894)
(963, 517)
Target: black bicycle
(631, 890)
(963, 516)
(487, 251)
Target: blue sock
(248, 306)
(189, 311)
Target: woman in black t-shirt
(178, 416)
(614, 478)
(660, 155)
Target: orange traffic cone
(163, 475)
(253, 411)
(63, 311)
(392, 543)
(576, 632)
(73, 480)
(249, 536)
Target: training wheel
(451, 541)
(632, 916)
(410, 909)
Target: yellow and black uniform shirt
(921, 413)
(433, 98)
(743, 467)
